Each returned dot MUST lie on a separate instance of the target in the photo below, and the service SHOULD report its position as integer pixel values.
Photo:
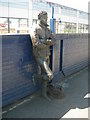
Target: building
(18, 16)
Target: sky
(77, 4)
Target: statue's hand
(51, 42)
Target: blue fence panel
(18, 66)
(74, 53)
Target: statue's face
(44, 18)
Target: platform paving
(73, 105)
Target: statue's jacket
(42, 39)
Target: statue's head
(42, 16)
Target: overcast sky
(77, 4)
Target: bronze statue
(42, 39)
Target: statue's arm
(51, 40)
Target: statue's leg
(44, 89)
(37, 77)
(46, 76)
(43, 79)
(47, 73)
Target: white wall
(13, 12)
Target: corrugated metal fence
(18, 65)
(70, 53)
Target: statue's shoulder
(35, 30)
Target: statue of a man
(42, 39)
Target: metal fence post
(52, 27)
(61, 54)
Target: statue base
(55, 91)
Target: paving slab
(73, 105)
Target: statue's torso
(44, 34)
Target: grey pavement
(73, 105)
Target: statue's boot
(44, 90)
